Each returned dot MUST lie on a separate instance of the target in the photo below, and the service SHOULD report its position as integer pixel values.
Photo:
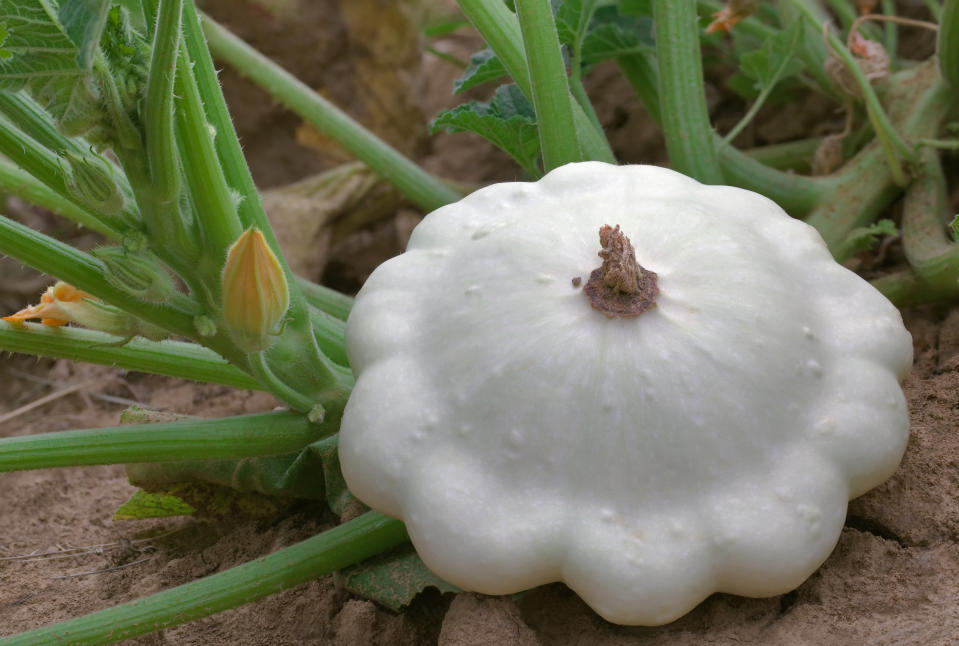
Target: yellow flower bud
(255, 293)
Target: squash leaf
(613, 39)
(35, 45)
(392, 579)
(508, 121)
(83, 21)
(600, 31)
(484, 67)
(863, 238)
(776, 59)
(293, 475)
(152, 505)
(573, 18)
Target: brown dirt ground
(892, 579)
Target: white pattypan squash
(709, 443)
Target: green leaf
(484, 67)
(338, 497)
(37, 46)
(572, 19)
(636, 7)
(863, 238)
(40, 55)
(84, 21)
(600, 31)
(152, 505)
(776, 59)
(294, 475)
(614, 39)
(508, 121)
(392, 579)
(742, 85)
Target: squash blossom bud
(255, 293)
(139, 274)
(90, 182)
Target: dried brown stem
(621, 287)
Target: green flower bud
(139, 274)
(90, 182)
(204, 325)
(255, 293)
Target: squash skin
(709, 445)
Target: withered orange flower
(55, 307)
(734, 11)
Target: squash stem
(202, 439)
(170, 358)
(548, 83)
(689, 135)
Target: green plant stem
(939, 282)
(576, 67)
(813, 51)
(327, 383)
(795, 193)
(501, 30)
(301, 371)
(943, 144)
(686, 126)
(792, 155)
(27, 115)
(643, 75)
(352, 542)
(446, 58)
(892, 142)
(891, 40)
(227, 144)
(263, 373)
(948, 43)
(798, 195)
(923, 213)
(329, 333)
(934, 8)
(844, 10)
(753, 109)
(209, 191)
(15, 181)
(33, 158)
(550, 89)
(325, 299)
(127, 136)
(918, 102)
(425, 190)
(198, 439)
(169, 358)
(158, 103)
